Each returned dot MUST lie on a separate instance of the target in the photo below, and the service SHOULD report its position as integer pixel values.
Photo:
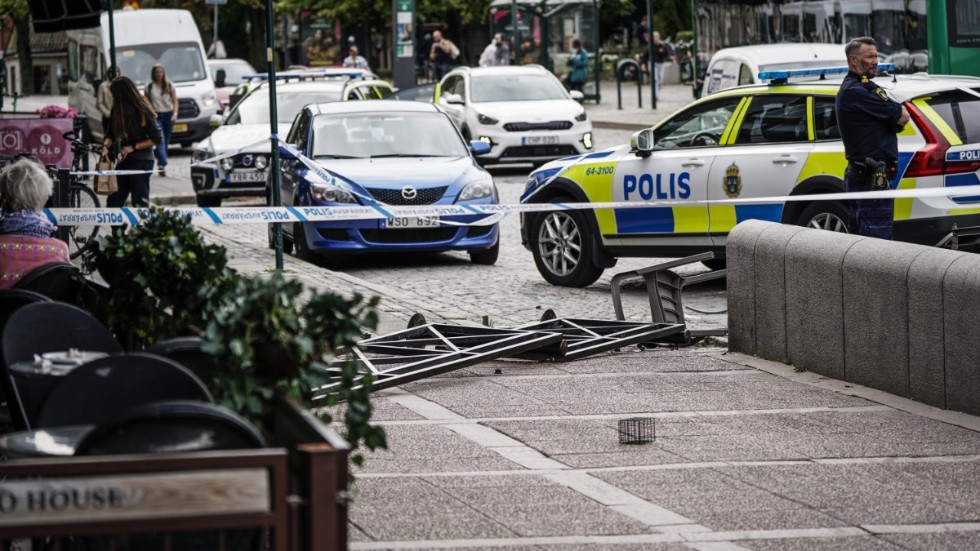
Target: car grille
(247, 160)
(425, 196)
(525, 126)
(187, 109)
(421, 235)
(538, 151)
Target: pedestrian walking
(163, 98)
(103, 98)
(578, 63)
(496, 53)
(663, 54)
(442, 54)
(355, 61)
(869, 121)
(133, 124)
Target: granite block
(961, 295)
(770, 291)
(927, 367)
(814, 300)
(876, 314)
(740, 254)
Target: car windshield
(373, 135)
(486, 88)
(233, 72)
(254, 109)
(182, 61)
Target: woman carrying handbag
(133, 125)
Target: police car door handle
(692, 162)
(784, 159)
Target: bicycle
(80, 195)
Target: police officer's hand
(904, 118)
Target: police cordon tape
(475, 215)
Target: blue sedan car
(382, 153)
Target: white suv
(523, 112)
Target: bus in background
(954, 36)
(143, 38)
(938, 36)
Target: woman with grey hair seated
(25, 234)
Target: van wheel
(186, 145)
(825, 215)
(204, 201)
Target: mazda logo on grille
(409, 193)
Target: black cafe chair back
(170, 427)
(187, 352)
(97, 392)
(10, 301)
(39, 328)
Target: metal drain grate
(637, 430)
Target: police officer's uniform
(868, 122)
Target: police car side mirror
(455, 99)
(641, 143)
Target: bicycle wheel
(81, 197)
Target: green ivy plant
(269, 336)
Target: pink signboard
(41, 138)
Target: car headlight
(582, 116)
(261, 161)
(331, 194)
(483, 119)
(208, 99)
(477, 190)
(228, 163)
(200, 155)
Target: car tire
(208, 202)
(486, 257)
(287, 245)
(825, 215)
(186, 145)
(300, 247)
(564, 256)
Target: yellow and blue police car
(748, 142)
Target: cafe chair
(10, 301)
(62, 282)
(37, 329)
(174, 426)
(95, 393)
(187, 352)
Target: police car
(242, 167)
(749, 142)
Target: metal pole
(653, 73)
(598, 57)
(112, 37)
(214, 41)
(694, 51)
(274, 126)
(516, 35)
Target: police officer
(868, 120)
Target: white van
(741, 65)
(144, 38)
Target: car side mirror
(454, 99)
(641, 143)
(479, 147)
(577, 95)
(219, 78)
(216, 121)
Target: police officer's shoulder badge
(881, 93)
(732, 183)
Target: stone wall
(894, 316)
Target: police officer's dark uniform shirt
(868, 122)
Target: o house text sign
(134, 497)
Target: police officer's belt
(879, 172)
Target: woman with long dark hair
(163, 98)
(133, 125)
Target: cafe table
(35, 378)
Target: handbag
(105, 184)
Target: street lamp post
(270, 60)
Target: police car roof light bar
(305, 75)
(781, 77)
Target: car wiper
(388, 155)
(337, 157)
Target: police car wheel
(299, 243)
(287, 245)
(825, 215)
(562, 247)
